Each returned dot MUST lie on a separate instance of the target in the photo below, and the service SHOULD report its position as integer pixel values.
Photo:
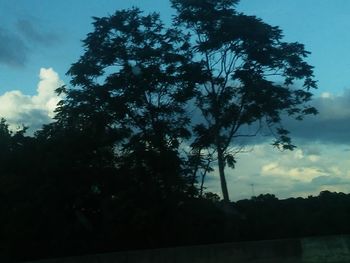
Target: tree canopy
(249, 76)
(134, 80)
(139, 81)
(151, 109)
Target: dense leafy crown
(252, 74)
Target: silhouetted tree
(250, 77)
(132, 84)
(116, 170)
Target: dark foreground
(307, 250)
(32, 234)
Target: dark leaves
(230, 160)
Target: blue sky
(63, 24)
(40, 39)
(321, 25)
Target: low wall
(334, 249)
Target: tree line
(150, 111)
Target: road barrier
(335, 249)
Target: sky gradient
(39, 40)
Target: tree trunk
(221, 163)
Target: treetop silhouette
(139, 82)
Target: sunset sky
(40, 39)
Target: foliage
(124, 163)
(250, 76)
(134, 80)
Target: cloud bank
(310, 169)
(31, 31)
(13, 50)
(331, 125)
(32, 111)
(321, 161)
(19, 40)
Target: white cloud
(326, 95)
(303, 174)
(320, 162)
(313, 158)
(46, 97)
(311, 168)
(32, 111)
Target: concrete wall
(334, 249)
